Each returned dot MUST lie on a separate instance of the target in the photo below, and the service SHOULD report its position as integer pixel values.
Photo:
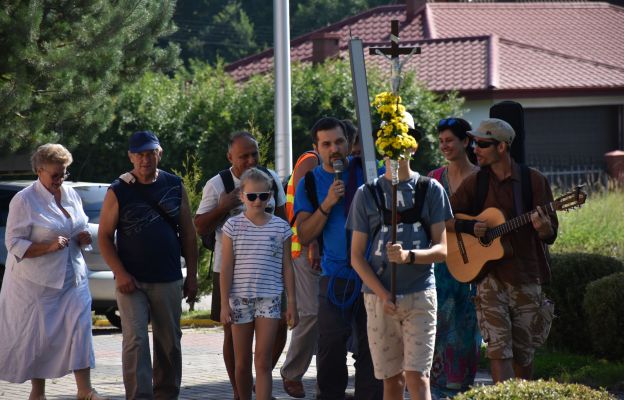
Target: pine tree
(62, 62)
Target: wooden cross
(393, 53)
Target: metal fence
(563, 176)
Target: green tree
(194, 112)
(209, 30)
(313, 14)
(62, 61)
(232, 29)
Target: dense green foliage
(571, 273)
(569, 367)
(194, 112)
(534, 390)
(61, 61)
(232, 29)
(578, 229)
(193, 182)
(604, 308)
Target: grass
(597, 227)
(573, 368)
(189, 319)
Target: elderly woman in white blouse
(45, 304)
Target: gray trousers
(305, 335)
(162, 304)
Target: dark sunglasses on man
(264, 196)
(483, 144)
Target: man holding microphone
(322, 202)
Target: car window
(5, 198)
(92, 198)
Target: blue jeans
(335, 325)
(162, 303)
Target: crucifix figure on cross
(393, 53)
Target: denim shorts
(245, 310)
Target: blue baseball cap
(143, 141)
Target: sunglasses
(447, 122)
(484, 144)
(264, 196)
(56, 177)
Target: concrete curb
(185, 323)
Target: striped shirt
(258, 252)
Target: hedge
(534, 390)
(571, 273)
(604, 308)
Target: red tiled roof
(482, 46)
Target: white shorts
(404, 341)
(246, 310)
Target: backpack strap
(310, 188)
(483, 185)
(274, 185)
(527, 188)
(227, 179)
(437, 174)
(351, 184)
(375, 192)
(419, 201)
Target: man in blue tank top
(149, 210)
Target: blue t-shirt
(365, 217)
(335, 259)
(147, 245)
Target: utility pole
(283, 120)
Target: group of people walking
(316, 258)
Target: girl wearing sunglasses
(254, 270)
(458, 340)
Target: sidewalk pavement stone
(203, 374)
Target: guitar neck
(514, 223)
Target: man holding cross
(401, 333)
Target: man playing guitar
(513, 314)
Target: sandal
(294, 388)
(92, 395)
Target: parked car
(101, 281)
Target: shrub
(193, 180)
(571, 273)
(605, 315)
(530, 390)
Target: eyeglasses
(447, 122)
(483, 144)
(264, 196)
(57, 176)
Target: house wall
(564, 130)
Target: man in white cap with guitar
(507, 260)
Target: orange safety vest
(289, 207)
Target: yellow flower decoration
(392, 138)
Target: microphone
(338, 169)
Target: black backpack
(409, 216)
(209, 239)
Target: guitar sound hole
(485, 241)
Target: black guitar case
(513, 113)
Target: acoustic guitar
(467, 254)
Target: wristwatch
(412, 257)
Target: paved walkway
(204, 375)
